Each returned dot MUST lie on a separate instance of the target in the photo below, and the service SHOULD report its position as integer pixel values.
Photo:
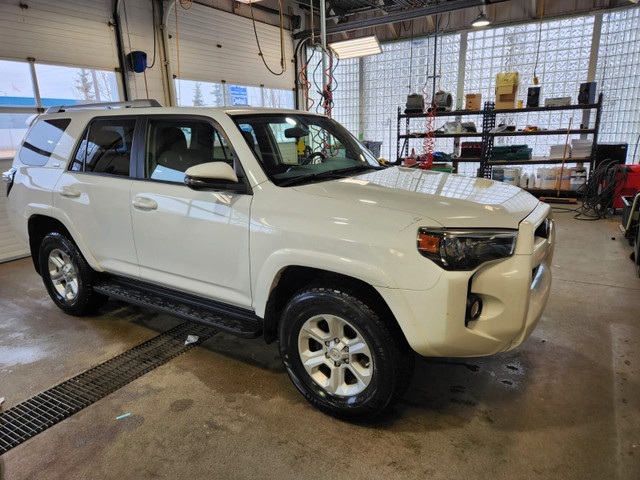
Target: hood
(451, 200)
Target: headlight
(465, 249)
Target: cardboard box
(473, 101)
(506, 89)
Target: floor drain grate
(27, 419)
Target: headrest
(248, 136)
(108, 139)
(172, 138)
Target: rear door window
(106, 147)
(42, 141)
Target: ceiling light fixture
(481, 21)
(357, 47)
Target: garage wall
(136, 18)
(66, 32)
(10, 246)
(217, 46)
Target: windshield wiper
(329, 174)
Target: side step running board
(181, 305)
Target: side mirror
(213, 176)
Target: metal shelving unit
(404, 146)
(489, 113)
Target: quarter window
(175, 145)
(106, 147)
(42, 141)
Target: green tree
(218, 94)
(198, 100)
(84, 86)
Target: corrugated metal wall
(201, 29)
(59, 32)
(67, 32)
(10, 246)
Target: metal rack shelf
(489, 113)
(441, 135)
(587, 106)
(542, 132)
(538, 160)
(453, 113)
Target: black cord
(635, 149)
(153, 16)
(255, 32)
(564, 210)
(601, 189)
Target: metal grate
(27, 419)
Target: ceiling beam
(399, 16)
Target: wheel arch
(39, 226)
(293, 278)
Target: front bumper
(514, 293)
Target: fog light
(474, 308)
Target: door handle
(69, 192)
(145, 204)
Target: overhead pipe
(119, 46)
(395, 17)
(166, 10)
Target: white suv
(280, 223)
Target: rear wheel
(346, 356)
(67, 276)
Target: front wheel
(67, 276)
(345, 355)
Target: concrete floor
(565, 405)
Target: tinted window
(174, 145)
(106, 147)
(42, 140)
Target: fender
(57, 214)
(281, 259)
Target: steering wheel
(308, 160)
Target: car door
(94, 193)
(195, 241)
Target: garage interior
(564, 405)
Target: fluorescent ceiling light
(357, 47)
(247, 1)
(481, 21)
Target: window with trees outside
(57, 85)
(190, 93)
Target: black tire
(67, 276)
(390, 365)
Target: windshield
(294, 148)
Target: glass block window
(617, 75)
(563, 64)
(404, 68)
(346, 96)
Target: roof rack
(108, 105)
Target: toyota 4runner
(280, 223)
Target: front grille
(27, 419)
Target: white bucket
(524, 181)
(511, 176)
(536, 180)
(548, 176)
(578, 178)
